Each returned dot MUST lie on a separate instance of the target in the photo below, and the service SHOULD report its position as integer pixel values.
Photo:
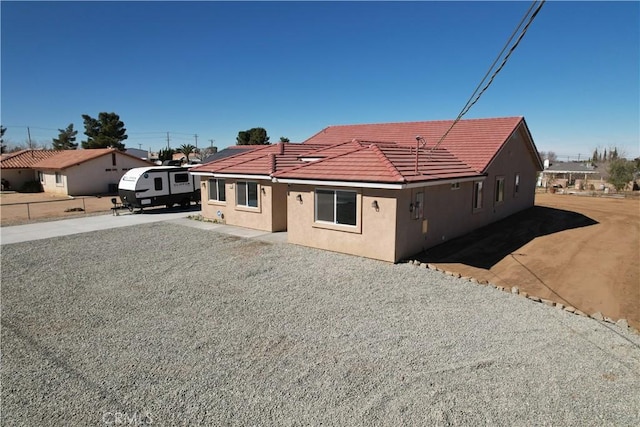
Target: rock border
(514, 290)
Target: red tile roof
(474, 141)
(67, 158)
(24, 159)
(380, 153)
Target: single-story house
(571, 174)
(16, 168)
(384, 191)
(84, 172)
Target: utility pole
(168, 148)
(29, 137)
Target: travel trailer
(158, 186)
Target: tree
(106, 131)
(187, 149)
(594, 157)
(253, 136)
(3, 147)
(284, 139)
(166, 154)
(66, 140)
(620, 172)
(604, 155)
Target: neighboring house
(85, 172)
(571, 174)
(16, 168)
(142, 154)
(229, 151)
(385, 191)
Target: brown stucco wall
(270, 215)
(372, 237)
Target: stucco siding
(18, 177)
(372, 237)
(270, 215)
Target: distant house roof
(570, 167)
(381, 153)
(229, 151)
(25, 159)
(66, 158)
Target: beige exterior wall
(397, 230)
(18, 177)
(449, 213)
(372, 237)
(91, 177)
(270, 215)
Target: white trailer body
(158, 186)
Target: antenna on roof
(424, 141)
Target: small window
(157, 182)
(58, 178)
(217, 190)
(337, 207)
(499, 189)
(247, 194)
(182, 177)
(455, 186)
(516, 184)
(41, 177)
(477, 195)
(113, 159)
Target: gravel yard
(169, 325)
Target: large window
(477, 195)
(500, 189)
(182, 177)
(216, 190)
(335, 206)
(247, 194)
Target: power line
(474, 98)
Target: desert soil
(14, 211)
(579, 251)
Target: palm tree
(187, 149)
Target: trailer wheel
(130, 207)
(184, 203)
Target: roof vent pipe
(281, 147)
(418, 139)
(272, 162)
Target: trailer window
(157, 182)
(182, 177)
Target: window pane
(346, 207)
(213, 192)
(222, 195)
(157, 182)
(182, 177)
(324, 205)
(252, 190)
(242, 193)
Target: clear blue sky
(215, 68)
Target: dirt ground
(14, 211)
(575, 250)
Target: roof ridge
(394, 171)
(335, 156)
(419, 121)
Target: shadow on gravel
(485, 247)
(164, 210)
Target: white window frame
(455, 186)
(59, 180)
(335, 207)
(217, 184)
(245, 203)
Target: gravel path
(169, 325)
